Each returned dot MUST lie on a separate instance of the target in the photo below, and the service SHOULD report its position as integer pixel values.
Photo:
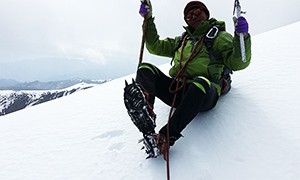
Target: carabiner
(213, 32)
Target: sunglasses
(193, 13)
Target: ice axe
(237, 9)
(143, 41)
(145, 24)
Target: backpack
(225, 81)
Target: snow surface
(252, 134)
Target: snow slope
(252, 134)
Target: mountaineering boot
(138, 108)
(162, 144)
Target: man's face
(195, 16)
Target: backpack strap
(209, 42)
(215, 58)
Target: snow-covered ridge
(11, 101)
(9, 84)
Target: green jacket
(225, 45)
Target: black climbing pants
(197, 96)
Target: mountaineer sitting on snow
(203, 58)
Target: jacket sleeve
(156, 46)
(229, 48)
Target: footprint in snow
(110, 134)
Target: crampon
(142, 116)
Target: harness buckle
(213, 32)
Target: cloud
(34, 29)
(103, 32)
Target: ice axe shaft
(237, 8)
(143, 40)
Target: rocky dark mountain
(11, 100)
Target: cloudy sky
(59, 39)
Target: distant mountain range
(22, 95)
(10, 84)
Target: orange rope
(180, 75)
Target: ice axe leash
(238, 11)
